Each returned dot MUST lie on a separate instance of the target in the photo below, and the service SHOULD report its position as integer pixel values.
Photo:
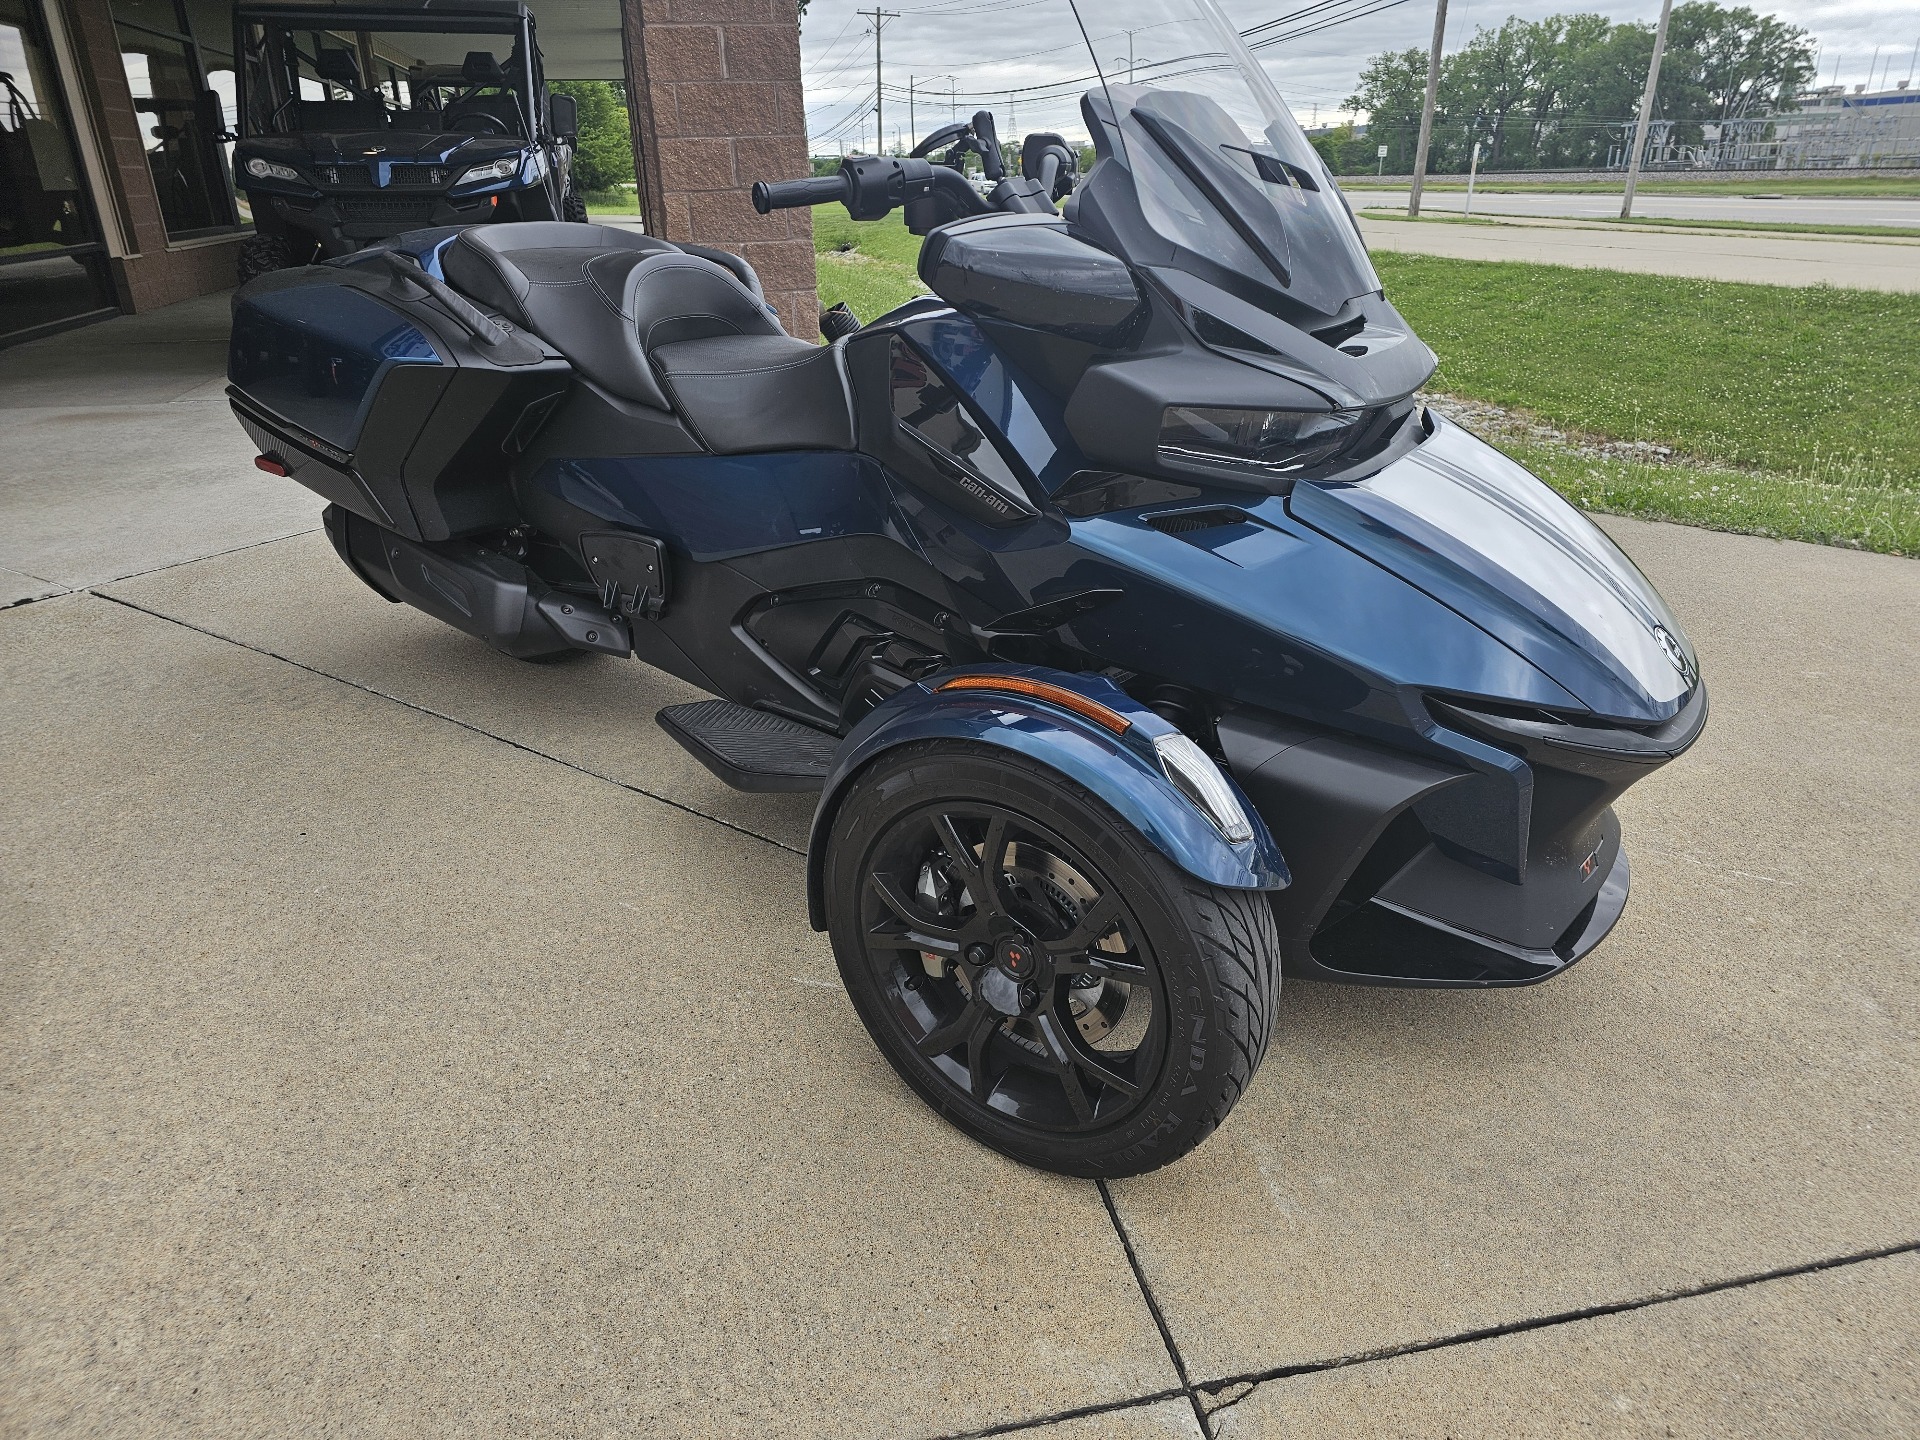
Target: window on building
(179, 65)
(53, 267)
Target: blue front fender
(1122, 771)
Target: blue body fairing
(1119, 770)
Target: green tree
(1735, 63)
(603, 157)
(1560, 92)
(1392, 89)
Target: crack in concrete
(466, 725)
(1240, 1388)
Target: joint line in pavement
(450, 719)
(1081, 1412)
(1153, 1308)
(1564, 1317)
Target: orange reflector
(270, 465)
(1041, 690)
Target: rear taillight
(271, 464)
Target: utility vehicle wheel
(1036, 970)
(263, 254)
(572, 207)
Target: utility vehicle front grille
(417, 176)
(344, 177)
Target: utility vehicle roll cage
(258, 23)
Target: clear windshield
(307, 77)
(1220, 165)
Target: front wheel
(1036, 970)
(572, 207)
(263, 254)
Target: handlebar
(769, 196)
(870, 186)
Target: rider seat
(680, 328)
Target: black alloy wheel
(1028, 975)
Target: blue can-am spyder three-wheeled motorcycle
(1142, 635)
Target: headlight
(267, 170)
(502, 169)
(536, 167)
(1275, 441)
(1196, 776)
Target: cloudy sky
(983, 49)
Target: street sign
(1381, 152)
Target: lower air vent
(1217, 332)
(1338, 335)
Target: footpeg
(750, 749)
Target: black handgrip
(797, 194)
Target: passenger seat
(660, 326)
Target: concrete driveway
(398, 1039)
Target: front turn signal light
(1194, 774)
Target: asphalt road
(1794, 210)
(399, 1040)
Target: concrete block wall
(717, 104)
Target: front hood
(362, 147)
(1483, 536)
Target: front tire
(262, 255)
(572, 207)
(1083, 1006)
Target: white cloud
(982, 50)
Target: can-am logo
(1670, 647)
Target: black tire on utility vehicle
(572, 207)
(1083, 1005)
(263, 254)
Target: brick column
(716, 99)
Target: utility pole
(1646, 111)
(913, 131)
(879, 18)
(1426, 109)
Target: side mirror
(563, 114)
(209, 115)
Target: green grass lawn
(611, 202)
(1791, 412)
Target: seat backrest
(604, 297)
(363, 113)
(503, 108)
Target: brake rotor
(1056, 895)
